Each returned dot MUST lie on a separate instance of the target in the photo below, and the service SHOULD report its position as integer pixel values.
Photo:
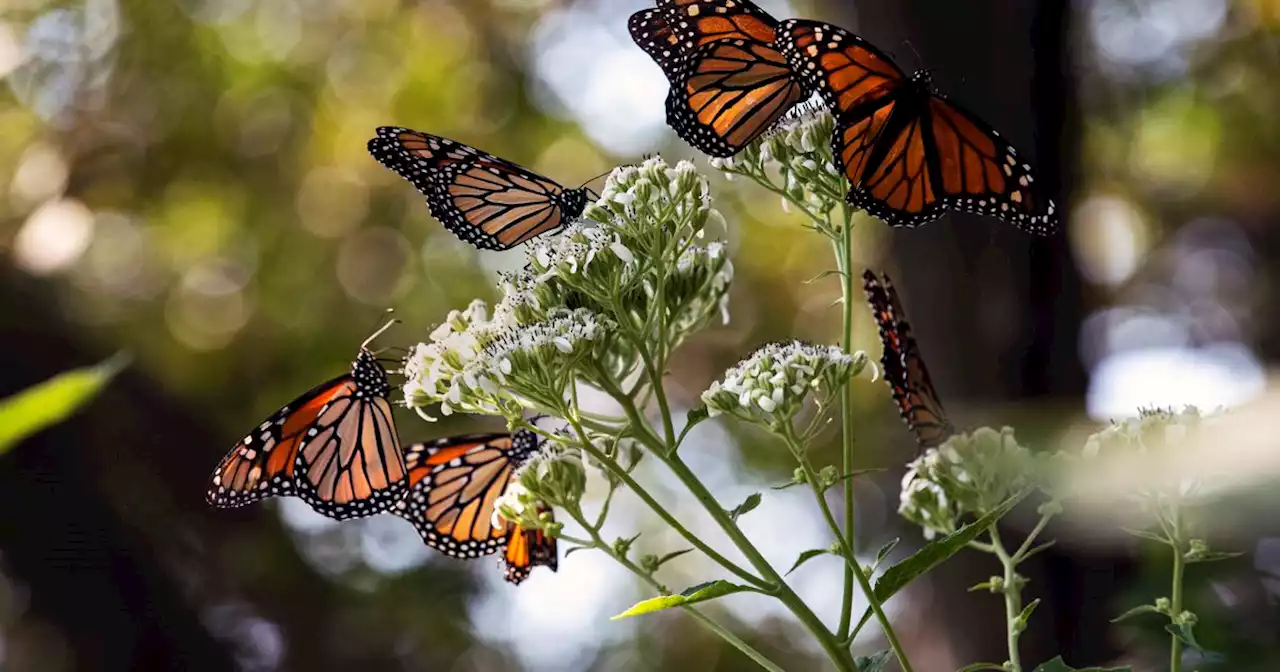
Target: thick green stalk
(1012, 599)
(844, 263)
(1179, 566)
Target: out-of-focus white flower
(1153, 431)
(967, 476)
(773, 383)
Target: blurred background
(187, 180)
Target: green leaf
(671, 556)
(575, 549)
(984, 586)
(977, 667)
(1056, 665)
(1136, 611)
(936, 552)
(827, 273)
(1187, 635)
(806, 557)
(702, 592)
(874, 662)
(52, 401)
(884, 552)
(1027, 611)
(694, 418)
(1149, 536)
(747, 506)
(1211, 556)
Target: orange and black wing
(909, 155)
(904, 369)
(978, 171)
(454, 484)
(527, 549)
(262, 464)
(349, 463)
(729, 84)
(486, 201)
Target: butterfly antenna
(379, 332)
(604, 174)
(919, 60)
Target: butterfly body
(335, 447)
(909, 153)
(484, 200)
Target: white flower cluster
(773, 383)
(1151, 432)
(798, 150)
(499, 366)
(653, 203)
(699, 287)
(968, 475)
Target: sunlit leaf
(702, 592)
(52, 401)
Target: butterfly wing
(650, 31)
(527, 549)
(728, 82)
(454, 485)
(729, 93)
(978, 171)
(262, 463)
(904, 369)
(349, 463)
(486, 201)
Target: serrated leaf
(874, 662)
(1149, 536)
(747, 506)
(977, 667)
(1056, 665)
(936, 552)
(884, 552)
(672, 556)
(692, 419)
(53, 401)
(1136, 611)
(1213, 556)
(806, 557)
(1187, 635)
(702, 592)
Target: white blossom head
(967, 476)
(647, 203)
(772, 385)
(1151, 433)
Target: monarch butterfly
(335, 447)
(904, 369)
(909, 153)
(454, 484)
(486, 201)
(729, 84)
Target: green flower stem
(597, 542)
(777, 587)
(1179, 566)
(1012, 598)
(851, 560)
(1025, 548)
(844, 262)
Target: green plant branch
(1012, 590)
(845, 265)
(1179, 566)
(851, 560)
